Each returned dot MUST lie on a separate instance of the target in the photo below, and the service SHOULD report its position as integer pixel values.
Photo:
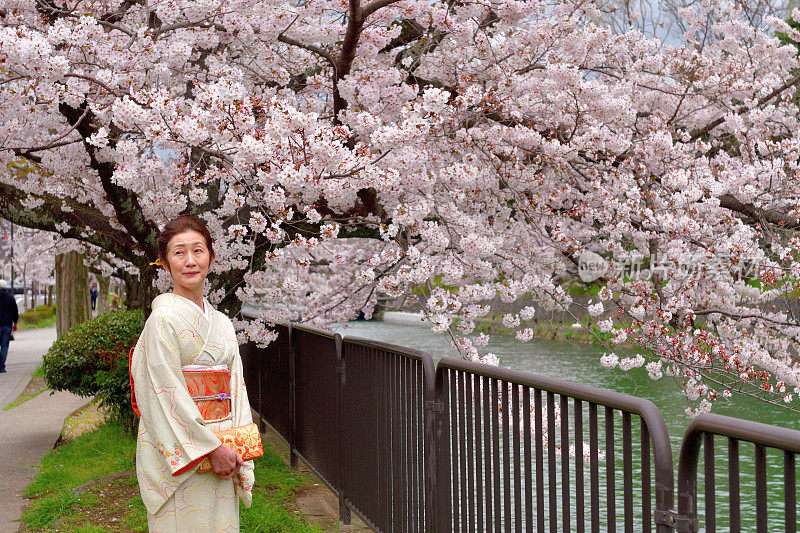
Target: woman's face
(188, 260)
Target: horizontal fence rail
(767, 470)
(411, 446)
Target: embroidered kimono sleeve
(242, 416)
(173, 421)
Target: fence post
(687, 480)
(292, 398)
(664, 514)
(262, 423)
(441, 480)
(432, 410)
(344, 510)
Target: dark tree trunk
(72, 292)
(102, 295)
(140, 290)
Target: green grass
(104, 451)
(46, 322)
(109, 450)
(26, 395)
(272, 509)
(22, 398)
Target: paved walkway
(29, 430)
(24, 356)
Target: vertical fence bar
(733, 485)
(565, 492)
(262, 423)
(498, 515)
(293, 425)
(462, 453)
(594, 468)
(432, 475)
(627, 471)
(709, 482)
(526, 425)
(454, 441)
(441, 482)
(647, 517)
(789, 493)
(506, 458)
(538, 422)
(386, 441)
(470, 441)
(552, 503)
(611, 494)
(487, 439)
(517, 459)
(580, 517)
(415, 502)
(344, 511)
(402, 516)
(761, 489)
(480, 443)
(425, 461)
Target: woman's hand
(225, 462)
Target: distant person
(93, 295)
(113, 301)
(9, 315)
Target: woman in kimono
(186, 344)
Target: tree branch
(696, 134)
(125, 202)
(375, 6)
(773, 216)
(324, 54)
(77, 216)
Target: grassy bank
(89, 486)
(587, 333)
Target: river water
(581, 363)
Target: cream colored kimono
(173, 437)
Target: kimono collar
(207, 325)
(184, 306)
(206, 306)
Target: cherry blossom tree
(31, 254)
(342, 151)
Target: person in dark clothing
(9, 315)
(93, 294)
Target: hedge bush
(40, 313)
(91, 359)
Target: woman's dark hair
(180, 225)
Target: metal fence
(531, 453)
(769, 470)
(461, 446)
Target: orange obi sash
(210, 388)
